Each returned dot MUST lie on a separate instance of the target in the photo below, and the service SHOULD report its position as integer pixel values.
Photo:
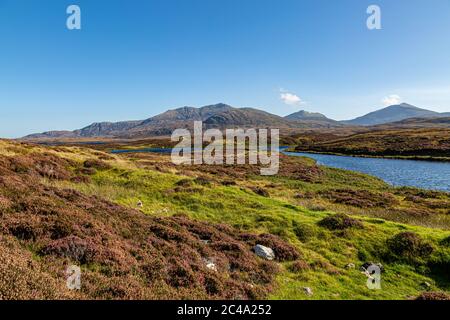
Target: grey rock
(264, 252)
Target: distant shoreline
(397, 157)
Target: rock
(350, 266)
(210, 264)
(140, 204)
(308, 291)
(205, 242)
(264, 252)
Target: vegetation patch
(123, 253)
(340, 222)
(359, 198)
(434, 296)
(409, 246)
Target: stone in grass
(308, 291)
(210, 264)
(264, 252)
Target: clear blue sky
(135, 59)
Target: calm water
(421, 174)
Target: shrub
(24, 231)
(299, 266)
(203, 181)
(72, 247)
(359, 198)
(96, 164)
(86, 171)
(434, 296)
(81, 179)
(260, 191)
(303, 231)
(324, 266)
(60, 229)
(283, 250)
(409, 246)
(340, 222)
(445, 242)
(184, 183)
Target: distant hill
(189, 114)
(313, 119)
(214, 116)
(247, 117)
(392, 114)
(306, 115)
(411, 123)
(225, 116)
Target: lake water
(422, 174)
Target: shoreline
(393, 157)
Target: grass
(281, 214)
(291, 209)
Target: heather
(141, 227)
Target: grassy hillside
(322, 223)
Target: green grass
(280, 215)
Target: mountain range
(395, 113)
(225, 116)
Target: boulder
(264, 252)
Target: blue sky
(135, 59)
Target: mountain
(189, 114)
(106, 128)
(213, 116)
(246, 117)
(306, 115)
(225, 116)
(392, 114)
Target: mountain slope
(410, 123)
(306, 115)
(106, 128)
(246, 117)
(218, 115)
(392, 114)
(189, 114)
